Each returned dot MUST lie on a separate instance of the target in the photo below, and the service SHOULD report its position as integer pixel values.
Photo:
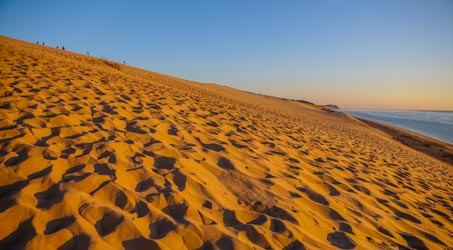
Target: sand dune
(98, 155)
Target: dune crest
(100, 155)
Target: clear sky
(354, 53)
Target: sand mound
(98, 155)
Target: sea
(435, 124)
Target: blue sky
(354, 53)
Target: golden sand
(98, 155)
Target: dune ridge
(100, 155)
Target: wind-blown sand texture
(98, 155)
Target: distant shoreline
(431, 124)
(422, 110)
(435, 148)
(414, 110)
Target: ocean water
(435, 124)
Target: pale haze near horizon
(356, 54)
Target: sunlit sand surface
(100, 155)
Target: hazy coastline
(434, 124)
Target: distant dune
(99, 155)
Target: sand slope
(97, 155)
